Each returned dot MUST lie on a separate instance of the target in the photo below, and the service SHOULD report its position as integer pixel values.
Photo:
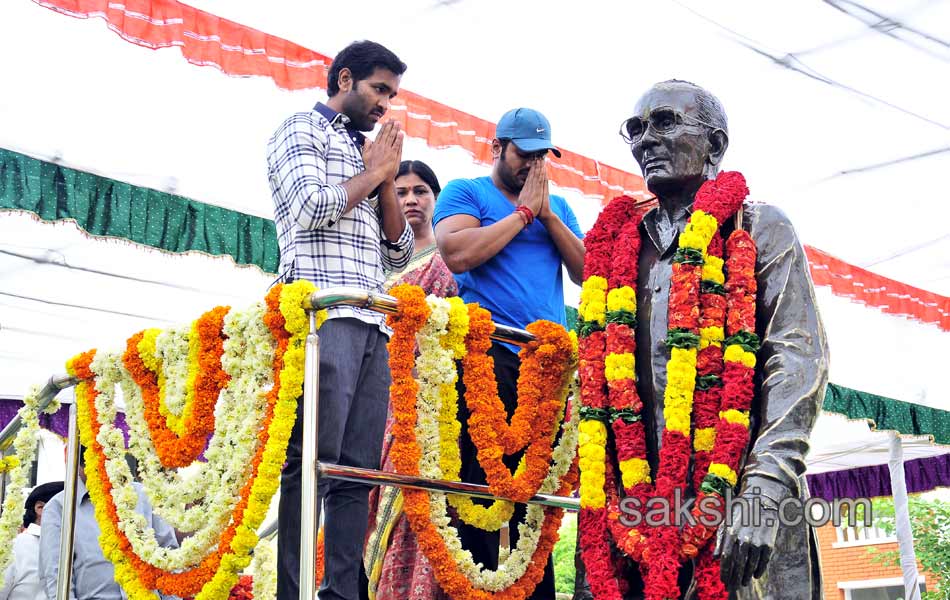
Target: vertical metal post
(69, 508)
(309, 502)
(905, 537)
(3, 482)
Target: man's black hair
(362, 58)
(504, 146)
(41, 493)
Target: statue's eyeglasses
(664, 121)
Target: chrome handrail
(375, 477)
(383, 303)
(55, 385)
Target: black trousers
(354, 395)
(484, 544)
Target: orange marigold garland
(210, 378)
(217, 572)
(545, 363)
(405, 453)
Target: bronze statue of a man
(678, 135)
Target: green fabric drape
(889, 414)
(105, 207)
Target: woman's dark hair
(424, 172)
(362, 58)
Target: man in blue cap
(505, 238)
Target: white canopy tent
(843, 126)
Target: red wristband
(526, 213)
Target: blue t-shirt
(523, 282)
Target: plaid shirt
(309, 158)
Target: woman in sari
(395, 567)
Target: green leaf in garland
(707, 286)
(592, 413)
(688, 256)
(714, 484)
(704, 382)
(682, 338)
(627, 415)
(624, 317)
(746, 339)
(585, 328)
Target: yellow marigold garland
(148, 352)
(488, 518)
(215, 578)
(406, 453)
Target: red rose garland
(698, 380)
(593, 519)
(732, 429)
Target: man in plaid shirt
(339, 223)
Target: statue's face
(672, 154)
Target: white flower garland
(435, 366)
(171, 348)
(216, 487)
(24, 445)
(187, 502)
(264, 568)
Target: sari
(395, 566)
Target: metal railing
(55, 385)
(312, 469)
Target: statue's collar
(649, 225)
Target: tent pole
(905, 537)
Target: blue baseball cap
(528, 129)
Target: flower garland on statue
(18, 467)
(436, 538)
(211, 491)
(731, 398)
(607, 372)
(217, 572)
(595, 412)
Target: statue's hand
(744, 548)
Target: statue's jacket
(791, 374)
